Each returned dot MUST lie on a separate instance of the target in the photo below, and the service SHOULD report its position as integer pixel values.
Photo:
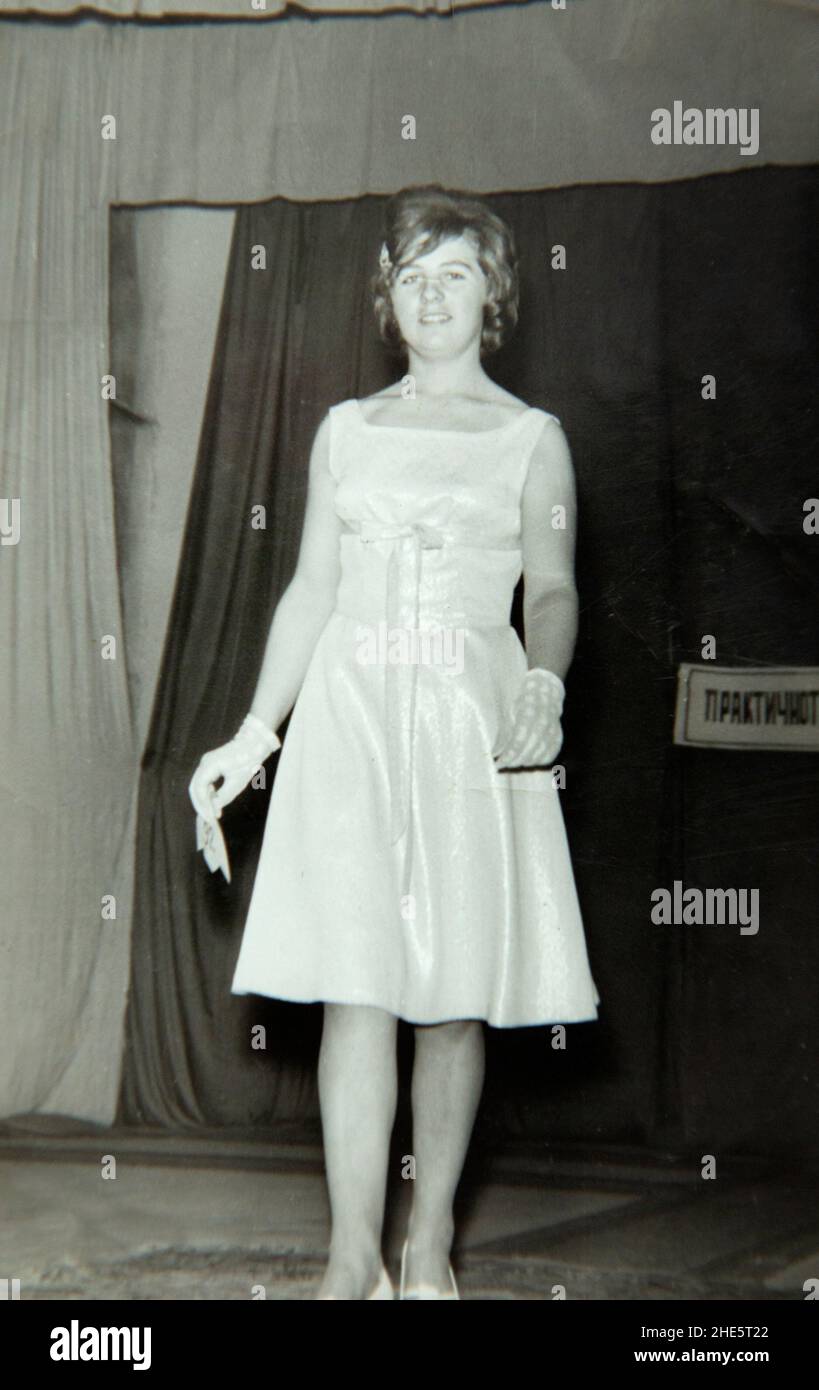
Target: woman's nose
(431, 289)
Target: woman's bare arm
(308, 600)
(548, 529)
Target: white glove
(534, 737)
(237, 762)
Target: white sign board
(748, 707)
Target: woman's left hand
(535, 735)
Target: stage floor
(208, 1217)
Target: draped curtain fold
(612, 348)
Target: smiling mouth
(435, 318)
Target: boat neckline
(409, 429)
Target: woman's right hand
(236, 762)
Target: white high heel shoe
(424, 1291)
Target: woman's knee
(448, 1034)
(357, 1019)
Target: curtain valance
(498, 99)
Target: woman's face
(438, 299)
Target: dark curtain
(690, 515)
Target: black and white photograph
(409, 588)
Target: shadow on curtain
(663, 283)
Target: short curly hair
(416, 221)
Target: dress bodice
(433, 518)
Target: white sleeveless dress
(399, 868)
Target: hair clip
(384, 257)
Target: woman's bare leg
(447, 1081)
(357, 1078)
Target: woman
(410, 869)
